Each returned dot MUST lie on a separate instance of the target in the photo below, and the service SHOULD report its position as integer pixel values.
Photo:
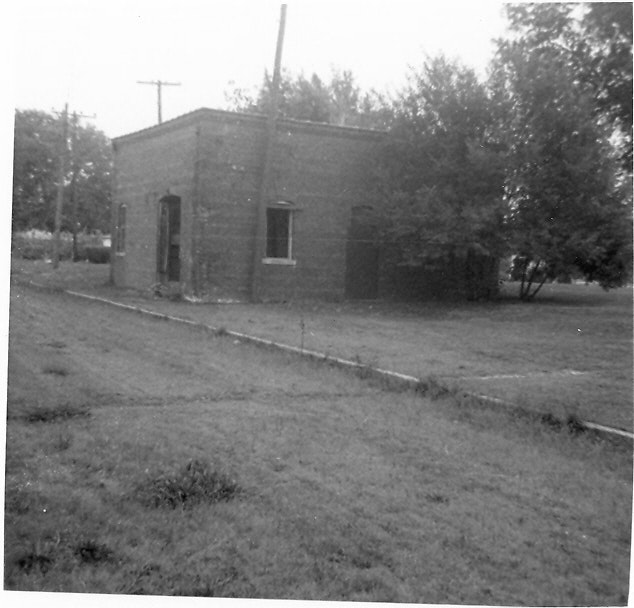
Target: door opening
(362, 255)
(169, 234)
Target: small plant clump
(34, 562)
(55, 370)
(194, 484)
(432, 388)
(92, 552)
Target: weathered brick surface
(149, 166)
(213, 160)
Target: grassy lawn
(149, 458)
(569, 353)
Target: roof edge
(206, 113)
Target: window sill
(279, 261)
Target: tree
(35, 166)
(606, 39)
(339, 101)
(568, 207)
(442, 171)
(37, 152)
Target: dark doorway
(169, 239)
(362, 255)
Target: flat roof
(225, 115)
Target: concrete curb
(404, 380)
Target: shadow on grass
(55, 414)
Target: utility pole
(271, 128)
(159, 85)
(60, 187)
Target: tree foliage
(606, 39)
(38, 146)
(337, 101)
(442, 171)
(568, 205)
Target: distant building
(185, 211)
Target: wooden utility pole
(269, 146)
(159, 86)
(60, 187)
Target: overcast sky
(91, 53)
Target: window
(279, 234)
(120, 230)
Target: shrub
(97, 254)
(39, 245)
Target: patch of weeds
(56, 344)
(437, 498)
(34, 562)
(56, 414)
(433, 389)
(37, 559)
(55, 370)
(365, 372)
(91, 552)
(193, 484)
(574, 425)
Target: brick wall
(321, 169)
(149, 165)
(324, 172)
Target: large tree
(605, 40)
(442, 169)
(569, 208)
(338, 101)
(35, 169)
(38, 146)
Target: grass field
(149, 458)
(568, 354)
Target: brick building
(185, 208)
(186, 215)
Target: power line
(159, 86)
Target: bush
(97, 254)
(39, 245)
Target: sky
(92, 53)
